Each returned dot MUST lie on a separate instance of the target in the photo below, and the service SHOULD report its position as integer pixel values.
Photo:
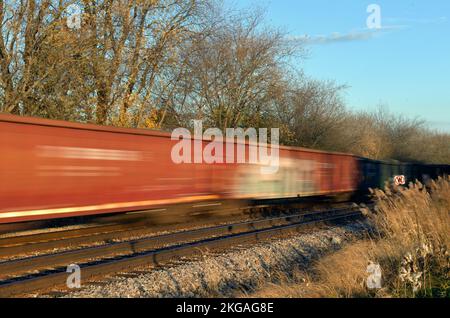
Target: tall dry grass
(410, 244)
(414, 227)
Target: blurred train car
(377, 173)
(53, 169)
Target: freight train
(55, 169)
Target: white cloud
(360, 35)
(438, 20)
(366, 34)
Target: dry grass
(410, 245)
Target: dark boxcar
(376, 173)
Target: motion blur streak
(77, 171)
(88, 153)
(106, 206)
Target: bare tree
(313, 111)
(233, 73)
(113, 68)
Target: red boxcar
(52, 169)
(55, 169)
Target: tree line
(162, 63)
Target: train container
(53, 169)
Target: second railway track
(30, 274)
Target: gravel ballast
(227, 274)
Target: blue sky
(405, 65)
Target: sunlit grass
(410, 244)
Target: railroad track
(43, 272)
(121, 229)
